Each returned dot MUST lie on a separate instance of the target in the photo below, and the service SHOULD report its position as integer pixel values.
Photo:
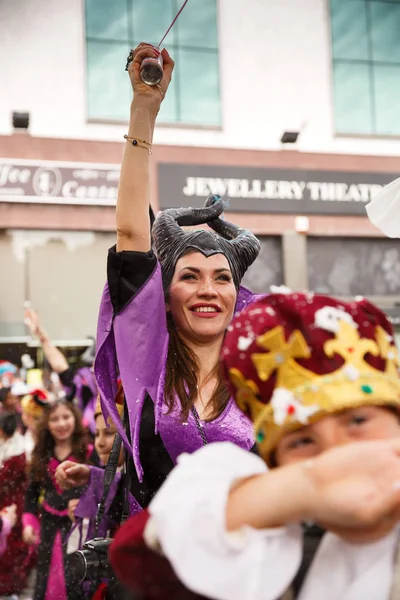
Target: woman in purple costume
(163, 316)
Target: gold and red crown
(290, 359)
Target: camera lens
(77, 566)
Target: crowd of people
(40, 428)
(258, 446)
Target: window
(366, 66)
(353, 266)
(115, 26)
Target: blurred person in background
(83, 511)
(17, 558)
(8, 518)
(32, 407)
(79, 383)
(10, 402)
(60, 436)
(86, 506)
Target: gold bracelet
(138, 142)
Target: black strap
(312, 537)
(109, 476)
(110, 472)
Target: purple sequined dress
(132, 343)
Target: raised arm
(133, 224)
(54, 356)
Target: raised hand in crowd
(55, 357)
(71, 475)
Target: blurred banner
(58, 183)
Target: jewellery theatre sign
(270, 190)
(261, 190)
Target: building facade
(246, 73)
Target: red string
(173, 22)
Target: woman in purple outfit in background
(163, 316)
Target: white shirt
(188, 516)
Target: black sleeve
(32, 497)
(67, 379)
(156, 462)
(127, 272)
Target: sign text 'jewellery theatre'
(262, 190)
(58, 183)
(270, 190)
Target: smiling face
(61, 423)
(202, 297)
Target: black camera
(91, 563)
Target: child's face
(30, 421)
(61, 424)
(356, 424)
(104, 439)
(12, 403)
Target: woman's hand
(29, 535)
(152, 94)
(10, 513)
(72, 504)
(71, 475)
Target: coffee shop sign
(58, 183)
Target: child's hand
(71, 475)
(29, 535)
(72, 504)
(357, 486)
(10, 514)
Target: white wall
(275, 75)
(62, 273)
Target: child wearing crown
(314, 375)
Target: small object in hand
(151, 70)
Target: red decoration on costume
(101, 592)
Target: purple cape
(133, 345)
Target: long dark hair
(44, 447)
(182, 375)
